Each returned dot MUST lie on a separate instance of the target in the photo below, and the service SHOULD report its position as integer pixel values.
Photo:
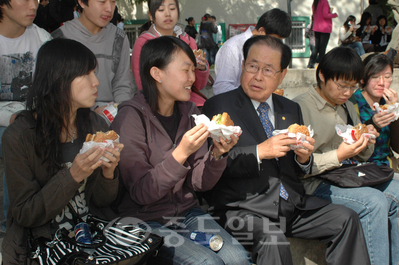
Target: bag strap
(349, 119)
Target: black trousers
(321, 41)
(334, 225)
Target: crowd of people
(371, 34)
(260, 189)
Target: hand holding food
(192, 141)
(276, 146)
(383, 118)
(297, 132)
(200, 58)
(223, 146)
(113, 155)
(346, 150)
(303, 154)
(85, 163)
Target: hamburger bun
(358, 130)
(223, 119)
(279, 91)
(385, 107)
(100, 137)
(197, 53)
(296, 128)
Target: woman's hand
(201, 62)
(390, 95)
(192, 141)
(382, 119)
(372, 130)
(219, 148)
(113, 155)
(84, 164)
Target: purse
(114, 243)
(363, 175)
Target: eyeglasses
(254, 68)
(346, 88)
(385, 78)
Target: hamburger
(100, 137)
(385, 106)
(197, 53)
(223, 119)
(358, 130)
(279, 91)
(296, 128)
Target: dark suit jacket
(243, 185)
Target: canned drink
(214, 242)
(82, 233)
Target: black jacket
(243, 185)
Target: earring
(160, 81)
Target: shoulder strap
(350, 121)
(117, 48)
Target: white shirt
(228, 63)
(17, 65)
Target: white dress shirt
(228, 63)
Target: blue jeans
(6, 201)
(179, 249)
(377, 208)
(210, 56)
(358, 47)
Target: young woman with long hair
(45, 173)
(167, 159)
(164, 15)
(366, 32)
(347, 35)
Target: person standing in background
(322, 26)
(207, 43)
(190, 28)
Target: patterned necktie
(264, 118)
(268, 127)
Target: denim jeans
(179, 249)
(210, 56)
(357, 46)
(377, 208)
(6, 201)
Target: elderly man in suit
(260, 199)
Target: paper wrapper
(394, 108)
(348, 133)
(217, 130)
(107, 143)
(110, 111)
(299, 137)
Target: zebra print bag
(113, 243)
